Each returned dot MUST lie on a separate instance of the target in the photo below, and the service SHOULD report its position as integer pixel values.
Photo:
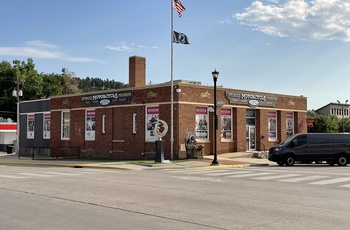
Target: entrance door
(250, 138)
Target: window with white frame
(226, 124)
(272, 125)
(289, 124)
(65, 125)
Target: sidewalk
(227, 160)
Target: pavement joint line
(222, 166)
(67, 165)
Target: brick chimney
(137, 71)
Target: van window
(302, 140)
(299, 141)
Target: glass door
(250, 138)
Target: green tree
(325, 124)
(346, 123)
(30, 82)
(71, 83)
(53, 84)
(7, 84)
(22, 74)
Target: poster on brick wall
(152, 118)
(30, 126)
(46, 125)
(226, 124)
(289, 124)
(90, 125)
(272, 125)
(202, 123)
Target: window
(202, 123)
(302, 140)
(152, 120)
(90, 124)
(103, 123)
(46, 125)
(250, 117)
(226, 124)
(272, 125)
(289, 124)
(297, 142)
(65, 125)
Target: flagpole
(172, 85)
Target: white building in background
(340, 110)
(8, 131)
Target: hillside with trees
(42, 85)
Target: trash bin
(9, 149)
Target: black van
(308, 147)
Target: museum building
(121, 123)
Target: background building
(8, 131)
(34, 134)
(340, 110)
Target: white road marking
(63, 173)
(202, 172)
(222, 173)
(251, 174)
(276, 177)
(36, 174)
(332, 181)
(13, 177)
(304, 178)
(189, 170)
(197, 178)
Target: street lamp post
(17, 93)
(215, 78)
(342, 112)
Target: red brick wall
(240, 133)
(120, 142)
(137, 71)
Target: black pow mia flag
(180, 38)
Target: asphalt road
(300, 197)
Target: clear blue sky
(291, 47)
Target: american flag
(177, 5)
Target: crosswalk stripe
(226, 173)
(201, 172)
(270, 175)
(251, 174)
(332, 181)
(99, 171)
(276, 176)
(304, 178)
(13, 177)
(36, 175)
(189, 170)
(63, 173)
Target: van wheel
(280, 163)
(342, 160)
(290, 161)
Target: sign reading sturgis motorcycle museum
(106, 99)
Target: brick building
(119, 123)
